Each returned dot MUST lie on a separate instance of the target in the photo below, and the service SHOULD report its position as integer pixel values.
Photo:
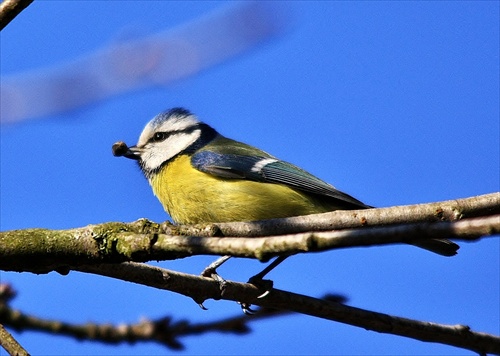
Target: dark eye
(159, 136)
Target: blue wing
(267, 169)
(257, 165)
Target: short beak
(120, 149)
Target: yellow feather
(190, 197)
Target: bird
(200, 176)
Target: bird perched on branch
(200, 176)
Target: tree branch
(9, 9)
(97, 249)
(42, 250)
(10, 344)
(451, 210)
(7, 341)
(201, 288)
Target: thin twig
(9, 9)
(10, 344)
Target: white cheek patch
(156, 153)
(257, 167)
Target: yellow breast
(190, 196)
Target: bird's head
(169, 134)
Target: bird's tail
(442, 247)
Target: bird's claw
(263, 295)
(245, 307)
(222, 282)
(264, 284)
(260, 283)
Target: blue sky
(392, 102)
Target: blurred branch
(143, 62)
(9, 9)
(43, 250)
(162, 330)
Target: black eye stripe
(162, 136)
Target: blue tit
(200, 176)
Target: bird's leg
(259, 276)
(211, 272)
(258, 280)
(211, 269)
